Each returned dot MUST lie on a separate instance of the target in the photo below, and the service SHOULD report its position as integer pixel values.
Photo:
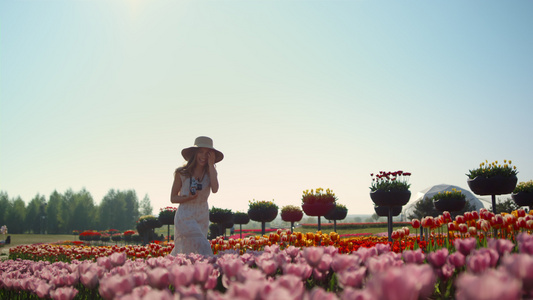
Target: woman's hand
(211, 158)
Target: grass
(24, 239)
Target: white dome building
(431, 191)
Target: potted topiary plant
(493, 179)
(241, 218)
(318, 203)
(166, 217)
(291, 213)
(523, 194)
(339, 212)
(383, 211)
(145, 226)
(453, 200)
(221, 217)
(390, 189)
(262, 211)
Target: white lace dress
(191, 220)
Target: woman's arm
(175, 196)
(213, 175)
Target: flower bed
(465, 271)
(353, 225)
(479, 255)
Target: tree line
(70, 211)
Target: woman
(193, 182)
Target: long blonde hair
(188, 167)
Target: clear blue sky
(297, 94)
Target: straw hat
(201, 142)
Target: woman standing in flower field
(193, 183)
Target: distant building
(431, 191)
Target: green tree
(146, 207)
(4, 204)
(82, 211)
(54, 221)
(34, 214)
(15, 215)
(132, 210)
(118, 209)
(507, 205)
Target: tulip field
(478, 255)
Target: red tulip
(460, 219)
(447, 216)
(406, 230)
(415, 223)
(451, 226)
(427, 222)
(472, 231)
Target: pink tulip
(502, 246)
(414, 256)
(525, 243)
(520, 266)
(351, 278)
(159, 278)
(438, 258)
(318, 293)
(64, 293)
(465, 246)
(231, 267)
(356, 294)
(158, 294)
(269, 267)
(365, 253)
(313, 255)
(291, 283)
(43, 289)
(409, 282)
(104, 262)
(202, 271)
(456, 259)
(118, 258)
(325, 263)
(238, 290)
(89, 278)
(341, 262)
(115, 285)
(189, 292)
(445, 272)
(491, 285)
(281, 293)
(382, 248)
(301, 270)
(181, 275)
(478, 262)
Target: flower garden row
(291, 265)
